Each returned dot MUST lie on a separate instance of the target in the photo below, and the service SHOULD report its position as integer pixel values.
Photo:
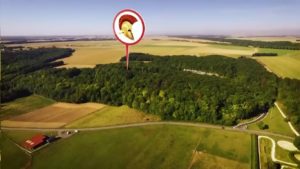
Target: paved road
(156, 123)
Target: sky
(162, 17)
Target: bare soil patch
(54, 116)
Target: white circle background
(137, 28)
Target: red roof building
(35, 141)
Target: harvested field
(164, 146)
(112, 115)
(23, 105)
(54, 116)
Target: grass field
(111, 115)
(110, 51)
(287, 64)
(275, 122)
(53, 116)
(163, 146)
(283, 154)
(208, 161)
(265, 153)
(11, 156)
(23, 105)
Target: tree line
(16, 63)
(264, 54)
(243, 42)
(289, 95)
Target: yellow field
(53, 116)
(111, 115)
(90, 53)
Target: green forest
(225, 91)
(255, 43)
(16, 62)
(289, 95)
(264, 54)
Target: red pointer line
(127, 56)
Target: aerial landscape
(156, 84)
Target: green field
(112, 115)
(265, 153)
(12, 157)
(280, 154)
(276, 123)
(163, 146)
(283, 154)
(286, 64)
(23, 105)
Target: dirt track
(157, 123)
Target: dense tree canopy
(264, 54)
(20, 62)
(230, 89)
(289, 95)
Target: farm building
(39, 140)
(35, 141)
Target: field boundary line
(194, 152)
(258, 144)
(289, 123)
(281, 112)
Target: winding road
(273, 152)
(156, 123)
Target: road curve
(273, 152)
(155, 123)
(259, 118)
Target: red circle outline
(140, 17)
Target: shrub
(261, 125)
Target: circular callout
(129, 27)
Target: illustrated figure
(125, 25)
